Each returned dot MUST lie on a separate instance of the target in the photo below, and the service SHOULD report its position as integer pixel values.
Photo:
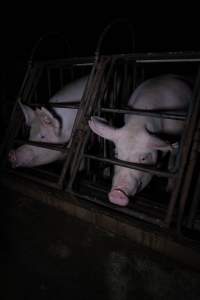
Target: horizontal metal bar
(58, 147)
(43, 173)
(175, 60)
(79, 61)
(143, 199)
(151, 57)
(35, 178)
(84, 64)
(71, 105)
(127, 211)
(131, 165)
(164, 57)
(155, 114)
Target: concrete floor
(48, 255)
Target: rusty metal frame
(94, 91)
(26, 93)
(185, 150)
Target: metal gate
(177, 208)
(111, 81)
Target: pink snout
(118, 197)
(21, 157)
(12, 158)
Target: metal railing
(101, 96)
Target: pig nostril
(118, 197)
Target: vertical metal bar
(85, 110)
(185, 148)
(125, 91)
(194, 206)
(26, 92)
(76, 161)
(188, 177)
(29, 88)
(72, 148)
(36, 75)
(80, 145)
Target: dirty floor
(46, 254)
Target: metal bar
(126, 211)
(38, 170)
(79, 141)
(109, 27)
(143, 201)
(89, 106)
(131, 165)
(14, 125)
(164, 57)
(35, 171)
(30, 87)
(185, 149)
(155, 114)
(188, 177)
(77, 159)
(35, 178)
(194, 206)
(58, 147)
(189, 56)
(74, 145)
(70, 105)
(167, 60)
(74, 61)
(83, 64)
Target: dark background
(156, 28)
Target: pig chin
(119, 195)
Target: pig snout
(12, 158)
(21, 157)
(117, 196)
(124, 185)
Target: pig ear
(46, 118)
(28, 112)
(155, 143)
(101, 128)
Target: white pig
(136, 141)
(47, 127)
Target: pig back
(165, 93)
(72, 92)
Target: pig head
(138, 141)
(55, 127)
(44, 127)
(133, 144)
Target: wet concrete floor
(47, 254)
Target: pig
(137, 141)
(50, 127)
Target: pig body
(137, 141)
(48, 127)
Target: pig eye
(145, 157)
(42, 136)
